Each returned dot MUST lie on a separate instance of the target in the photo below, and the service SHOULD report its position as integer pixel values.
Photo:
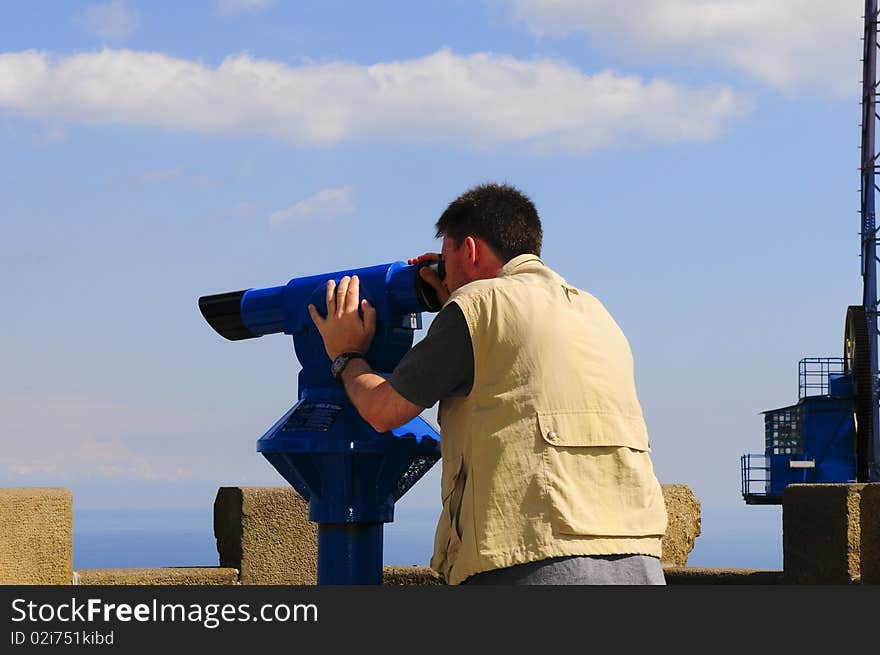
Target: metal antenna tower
(869, 463)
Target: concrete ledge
(159, 576)
(681, 575)
(410, 575)
(422, 575)
(821, 539)
(36, 536)
(869, 520)
(264, 532)
(684, 524)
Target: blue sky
(694, 163)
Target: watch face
(337, 366)
(341, 362)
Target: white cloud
(242, 6)
(323, 205)
(787, 44)
(113, 21)
(474, 101)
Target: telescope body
(397, 292)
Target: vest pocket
(599, 481)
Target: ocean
(156, 538)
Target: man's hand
(343, 330)
(430, 276)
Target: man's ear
(471, 249)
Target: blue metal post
(349, 553)
(868, 216)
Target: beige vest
(548, 455)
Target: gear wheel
(857, 360)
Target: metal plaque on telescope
(313, 417)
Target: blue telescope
(350, 474)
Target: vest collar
(520, 264)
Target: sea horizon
(147, 538)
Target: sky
(694, 162)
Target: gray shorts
(580, 570)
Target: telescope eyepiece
(424, 291)
(439, 267)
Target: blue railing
(755, 477)
(814, 373)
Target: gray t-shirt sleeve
(441, 364)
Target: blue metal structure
(812, 441)
(350, 474)
(833, 435)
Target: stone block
(720, 576)
(821, 539)
(683, 524)
(410, 575)
(182, 575)
(36, 536)
(869, 517)
(264, 532)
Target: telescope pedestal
(349, 553)
(351, 476)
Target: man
(546, 477)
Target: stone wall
(869, 519)
(36, 535)
(264, 532)
(831, 533)
(683, 524)
(178, 575)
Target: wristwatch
(342, 361)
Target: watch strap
(342, 361)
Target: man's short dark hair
(500, 214)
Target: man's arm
(439, 366)
(375, 399)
